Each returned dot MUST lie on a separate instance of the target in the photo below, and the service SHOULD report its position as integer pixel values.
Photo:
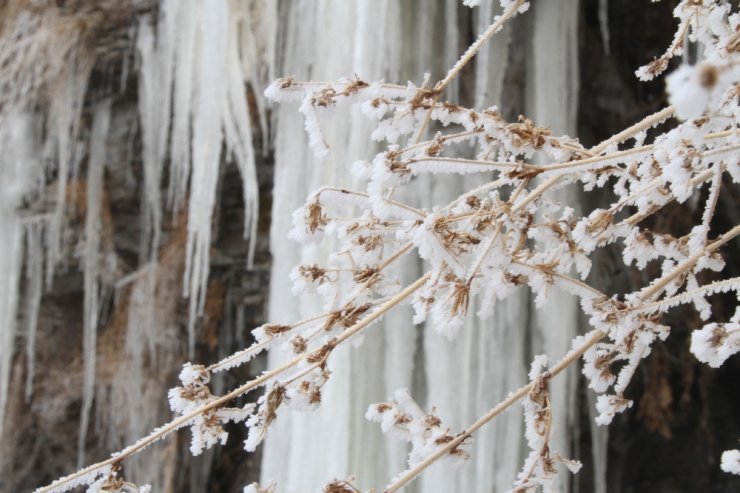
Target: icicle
(90, 261)
(210, 111)
(492, 356)
(63, 122)
(185, 52)
(34, 287)
(604, 24)
(488, 82)
(210, 101)
(238, 139)
(451, 47)
(256, 42)
(599, 445)
(553, 84)
(363, 37)
(17, 168)
(155, 95)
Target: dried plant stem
(416, 470)
(261, 380)
(483, 255)
(478, 162)
(261, 345)
(475, 47)
(657, 286)
(568, 164)
(408, 291)
(425, 123)
(639, 216)
(464, 59)
(476, 191)
(714, 287)
(595, 159)
(450, 137)
(562, 277)
(643, 124)
(625, 134)
(712, 199)
(367, 196)
(719, 150)
(570, 358)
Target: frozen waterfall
(401, 41)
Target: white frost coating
(66, 484)
(686, 93)
(402, 418)
(256, 488)
(731, 461)
(90, 262)
(17, 167)
(103, 485)
(714, 343)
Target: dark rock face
(685, 414)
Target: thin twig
(261, 380)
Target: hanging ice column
(552, 84)
(463, 378)
(193, 59)
(329, 40)
(554, 76)
(487, 359)
(90, 262)
(54, 71)
(18, 168)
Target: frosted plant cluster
(539, 467)
(503, 236)
(403, 418)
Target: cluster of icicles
(192, 108)
(479, 246)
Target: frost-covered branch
(481, 247)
